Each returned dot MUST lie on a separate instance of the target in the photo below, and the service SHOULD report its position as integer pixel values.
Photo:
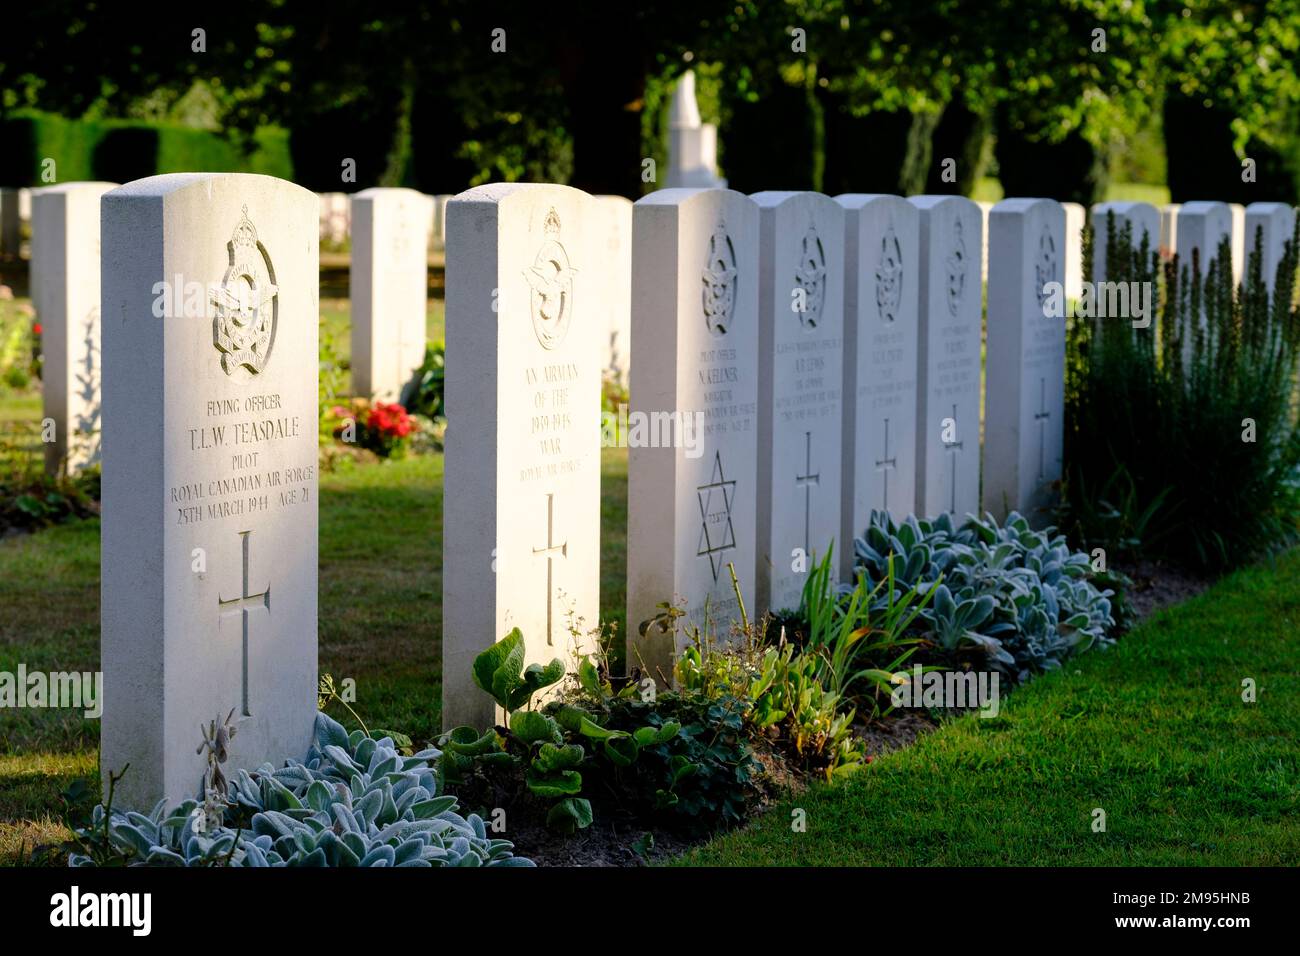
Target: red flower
(36, 328)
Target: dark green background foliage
(878, 96)
(1155, 418)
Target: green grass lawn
(380, 621)
(1153, 732)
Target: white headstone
(1142, 218)
(1075, 219)
(438, 222)
(1277, 222)
(800, 389)
(617, 230)
(985, 209)
(881, 290)
(1238, 240)
(209, 535)
(1201, 227)
(526, 272)
(25, 205)
(1169, 230)
(691, 500)
(65, 290)
(389, 288)
(10, 237)
(334, 212)
(692, 144)
(1024, 403)
(950, 311)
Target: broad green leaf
(497, 669)
(533, 727)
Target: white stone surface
(800, 389)
(1277, 220)
(985, 208)
(25, 205)
(527, 267)
(438, 222)
(389, 285)
(692, 144)
(691, 504)
(65, 291)
(10, 237)
(1142, 218)
(1238, 240)
(1024, 403)
(1075, 219)
(881, 290)
(950, 314)
(1201, 227)
(209, 534)
(617, 231)
(1169, 230)
(335, 212)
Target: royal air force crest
(550, 278)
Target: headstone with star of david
(800, 384)
(691, 489)
(882, 249)
(948, 356)
(527, 269)
(65, 291)
(209, 530)
(1024, 399)
(389, 282)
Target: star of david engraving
(889, 277)
(550, 278)
(720, 278)
(956, 264)
(716, 533)
(810, 276)
(246, 303)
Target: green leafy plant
(1159, 452)
(355, 801)
(425, 393)
(1005, 597)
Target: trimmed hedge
(123, 150)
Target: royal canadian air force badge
(245, 303)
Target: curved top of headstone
(73, 187)
(175, 182)
(684, 110)
(388, 191)
(1123, 207)
(681, 195)
(499, 192)
(933, 201)
(1202, 207)
(1023, 204)
(862, 200)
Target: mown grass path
(1153, 732)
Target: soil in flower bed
(1157, 585)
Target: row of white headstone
(210, 305)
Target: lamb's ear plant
(355, 801)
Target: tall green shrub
(1182, 438)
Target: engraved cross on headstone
(885, 466)
(550, 550)
(953, 448)
(242, 605)
(806, 481)
(1041, 416)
